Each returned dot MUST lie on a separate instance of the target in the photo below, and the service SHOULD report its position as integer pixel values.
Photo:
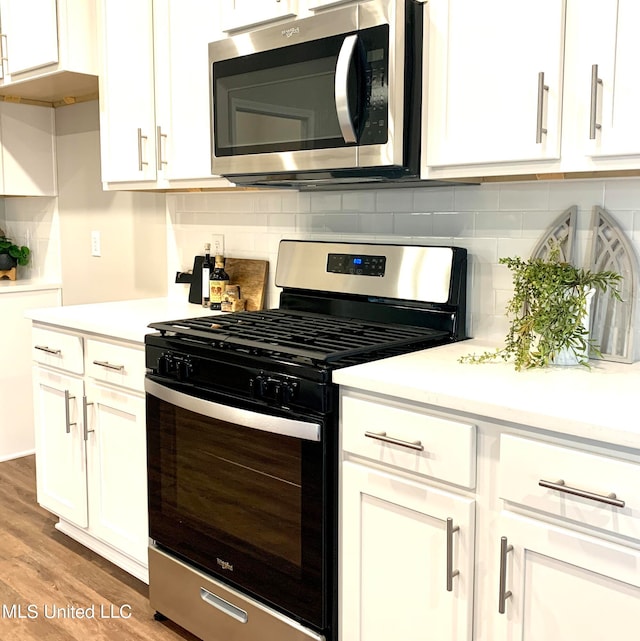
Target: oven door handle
(256, 420)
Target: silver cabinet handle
(85, 417)
(503, 594)
(451, 573)
(3, 57)
(108, 365)
(540, 111)
(560, 486)
(595, 81)
(159, 137)
(341, 88)
(382, 436)
(141, 161)
(67, 411)
(224, 606)
(48, 350)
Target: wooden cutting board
(249, 274)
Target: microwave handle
(342, 94)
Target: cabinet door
(182, 32)
(127, 106)
(30, 31)
(27, 146)
(117, 468)
(238, 14)
(603, 52)
(566, 585)
(61, 471)
(494, 81)
(395, 548)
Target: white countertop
(600, 403)
(26, 285)
(126, 320)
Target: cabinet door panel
(116, 455)
(484, 64)
(566, 585)
(61, 470)
(31, 31)
(127, 107)
(238, 14)
(394, 559)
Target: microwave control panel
(376, 44)
(356, 264)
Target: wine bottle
(218, 282)
(206, 274)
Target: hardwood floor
(46, 578)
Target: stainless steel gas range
(242, 433)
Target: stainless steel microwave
(330, 99)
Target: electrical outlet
(95, 244)
(217, 244)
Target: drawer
(410, 439)
(116, 364)
(57, 349)
(211, 610)
(583, 484)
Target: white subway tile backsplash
(490, 220)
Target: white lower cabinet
(543, 542)
(566, 585)
(91, 443)
(407, 570)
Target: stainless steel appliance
(242, 433)
(330, 99)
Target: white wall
(491, 221)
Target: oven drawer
(57, 349)
(410, 439)
(571, 484)
(212, 610)
(116, 364)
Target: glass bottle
(218, 282)
(206, 274)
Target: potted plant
(12, 254)
(547, 312)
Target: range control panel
(358, 264)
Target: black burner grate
(311, 336)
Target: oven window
(244, 504)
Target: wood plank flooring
(46, 577)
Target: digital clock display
(356, 264)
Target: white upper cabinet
(238, 14)
(48, 48)
(154, 93)
(27, 150)
(494, 74)
(602, 99)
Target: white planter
(568, 356)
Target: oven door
(242, 495)
(309, 95)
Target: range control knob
(184, 369)
(289, 391)
(258, 386)
(165, 364)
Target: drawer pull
(108, 365)
(503, 593)
(609, 499)
(451, 573)
(224, 606)
(44, 348)
(382, 436)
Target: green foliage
(20, 253)
(546, 312)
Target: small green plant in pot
(547, 312)
(12, 254)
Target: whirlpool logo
(225, 565)
(291, 31)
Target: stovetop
(301, 336)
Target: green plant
(547, 310)
(20, 252)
